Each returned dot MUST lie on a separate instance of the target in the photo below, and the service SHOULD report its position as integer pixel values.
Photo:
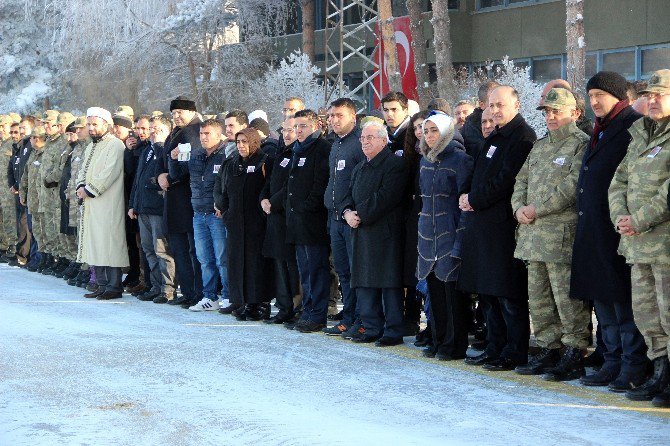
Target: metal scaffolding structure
(348, 43)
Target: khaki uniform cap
(125, 110)
(15, 117)
(50, 116)
(659, 82)
(156, 114)
(5, 120)
(80, 122)
(39, 132)
(65, 118)
(559, 98)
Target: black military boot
(60, 268)
(662, 399)
(44, 262)
(655, 385)
(571, 366)
(48, 264)
(51, 269)
(538, 363)
(34, 265)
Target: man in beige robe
(102, 240)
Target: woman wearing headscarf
(249, 273)
(445, 172)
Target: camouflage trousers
(38, 229)
(52, 230)
(651, 306)
(557, 319)
(8, 237)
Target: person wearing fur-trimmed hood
(445, 173)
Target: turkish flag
(403, 39)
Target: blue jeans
(341, 244)
(210, 247)
(314, 269)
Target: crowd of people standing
(468, 214)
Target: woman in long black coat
(241, 185)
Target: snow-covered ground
(76, 371)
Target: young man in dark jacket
(203, 171)
(306, 218)
(146, 205)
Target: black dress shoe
(442, 356)
(500, 365)
(310, 327)
(149, 295)
(181, 300)
(481, 359)
(230, 308)
(189, 303)
(278, 319)
(294, 324)
(627, 382)
(386, 341)
(601, 378)
(161, 299)
(109, 295)
(428, 352)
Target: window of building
(546, 69)
(482, 4)
(654, 59)
(485, 4)
(622, 62)
(591, 66)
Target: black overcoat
(376, 193)
(274, 245)
(489, 266)
(249, 273)
(306, 216)
(598, 272)
(178, 212)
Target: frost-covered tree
(415, 12)
(575, 44)
(26, 64)
(444, 66)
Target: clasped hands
(526, 214)
(624, 225)
(464, 203)
(352, 218)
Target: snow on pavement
(77, 371)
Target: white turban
(258, 114)
(101, 113)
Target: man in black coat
(599, 273)
(21, 149)
(287, 280)
(489, 267)
(178, 212)
(306, 218)
(373, 207)
(472, 129)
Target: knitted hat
(122, 120)
(609, 81)
(71, 128)
(101, 113)
(261, 125)
(182, 103)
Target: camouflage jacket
(31, 181)
(50, 174)
(548, 180)
(75, 165)
(5, 159)
(640, 189)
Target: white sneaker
(205, 304)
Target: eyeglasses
(655, 96)
(284, 110)
(288, 130)
(551, 111)
(301, 126)
(14, 132)
(368, 138)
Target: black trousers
(287, 280)
(449, 317)
(186, 264)
(508, 325)
(133, 258)
(24, 236)
(625, 347)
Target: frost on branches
(294, 76)
(25, 63)
(506, 73)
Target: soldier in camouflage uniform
(638, 207)
(49, 198)
(53, 164)
(544, 202)
(8, 237)
(30, 187)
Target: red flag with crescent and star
(405, 53)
